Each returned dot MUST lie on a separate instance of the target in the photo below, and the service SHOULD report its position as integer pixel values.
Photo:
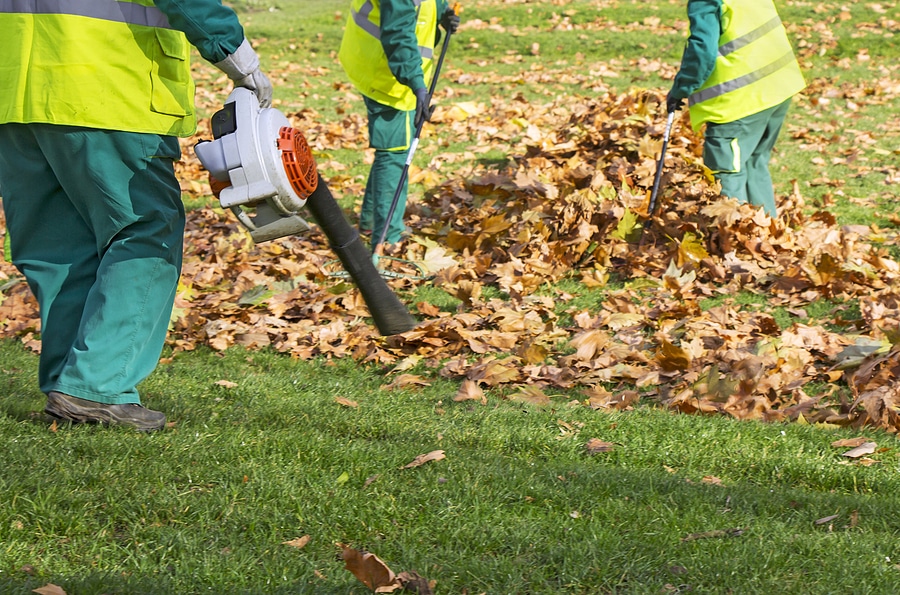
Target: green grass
(518, 505)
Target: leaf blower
(258, 161)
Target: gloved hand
(450, 21)
(423, 110)
(672, 104)
(242, 67)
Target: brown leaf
(299, 542)
(434, 455)
(865, 448)
(672, 358)
(850, 442)
(595, 445)
(415, 583)
(345, 402)
(370, 570)
(470, 391)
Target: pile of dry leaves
(567, 211)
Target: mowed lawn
(272, 465)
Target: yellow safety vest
(755, 69)
(54, 71)
(365, 62)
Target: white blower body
(265, 164)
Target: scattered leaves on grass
(566, 205)
(434, 455)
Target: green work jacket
(388, 48)
(114, 65)
(738, 61)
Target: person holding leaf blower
(94, 97)
(738, 74)
(387, 52)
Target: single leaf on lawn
(595, 445)
(370, 570)
(226, 383)
(470, 391)
(434, 455)
(530, 394)
(826, 519)
(850, 442)
(404, 380)
(344, 401)
(415, 583)
(49, 589)
(299, 542)
(863, 449)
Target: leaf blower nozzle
(258, 161)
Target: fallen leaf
(866, 448)
(299, 542)
(434, 455)
(826, 519)
(595, 445)
(346, 402)
(49, 589)
(370, 570)
(226, 383)
(470, 391)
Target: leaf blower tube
(258, 160)
(391, 316)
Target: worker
(738, 74)
(94, 97)
(388, 54)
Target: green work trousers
(390, 134)
(738, 154)
(96, 225)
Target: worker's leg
(738, 154)
(101, 244)
(390, 133)
(760, 189)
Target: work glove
(450, 21)
(423, 110)
(242, 67)
(673, 104)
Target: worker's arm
(212, 28)
(398, 38)
(702, 47)
(217, 34)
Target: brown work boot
(72, 409)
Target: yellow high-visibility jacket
(755, 67)
(368, 66)
(57, 66)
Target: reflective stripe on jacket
(365, 62)
(755, 67)
(114, 65)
